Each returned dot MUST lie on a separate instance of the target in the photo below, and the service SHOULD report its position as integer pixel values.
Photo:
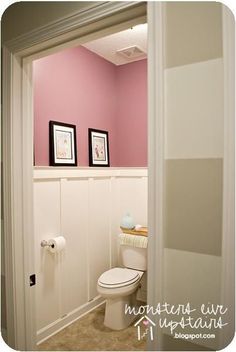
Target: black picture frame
(62, 144)
(98, 148)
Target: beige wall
(193, 32)
(22, 17)
(193, 102)
(194, 157)
(194, 205)
(191, 277)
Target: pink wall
(79, 87)
(132, 114)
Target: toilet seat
(118, 277)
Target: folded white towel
(133, 240)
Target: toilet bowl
(119, 286)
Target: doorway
(19, 149)
(92, 86)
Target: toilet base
(115, 317)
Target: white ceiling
(107, 47)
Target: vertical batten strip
(90, 182)
(59, 258)
(87, 240)
(111, 182)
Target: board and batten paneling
(85, 206)
(99, 231)
(46, 224)
(115, 221)
(74, 225)
(133, 195)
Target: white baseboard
(58, 325)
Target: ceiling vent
(132, 52)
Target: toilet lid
(118, 277)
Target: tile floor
(89, 334)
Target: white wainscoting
(85, 205)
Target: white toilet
(119, 286)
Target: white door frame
(156, 156)
(18, 151)
(99, 19)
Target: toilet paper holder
(45, 243)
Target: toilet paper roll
(56, 244)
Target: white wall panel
(194, 110)
(115, 221)
(133, 198)
(46, 225)
(99, 231)
(74, 225)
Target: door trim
(74, 22)
(156, 157)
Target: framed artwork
(98, 148)
(62, 144)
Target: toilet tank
(133, 257)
